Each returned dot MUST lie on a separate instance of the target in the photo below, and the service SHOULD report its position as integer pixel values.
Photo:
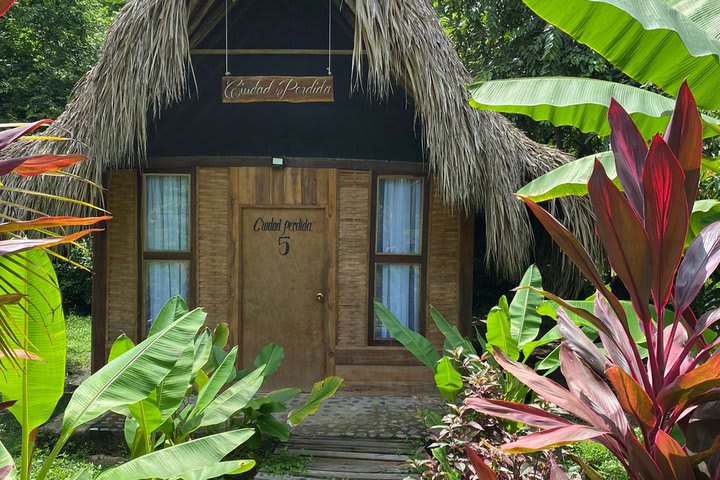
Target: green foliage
(79, 341)
(76, 282)
(601, 459)
(505, 39)
(282, 462)
(45, 47)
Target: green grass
(79, 341)
(282, 462)
(601, 459)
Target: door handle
(320, 297)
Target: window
(167, 242)
(399, 252)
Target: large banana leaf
(704, 13)
(221, 376)
(579, 102)
(38, 322)
(132, 376)
(233, 399)
(321, 391)
(416, 344)
(569, 179)
(647, 40)
(231, 467)
(524, 319)
(176, 461)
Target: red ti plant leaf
(10, 135)
(37, 165)
(682, 390)
(579, 256)
(701, 260)
(554, 437)
(633, 398)
(593, 392)
(684, 137)
(516, 412)
(23, 244)
(624, 238)
(580, 343)
(666, 217)
(547, 389)
(4, 7)
(50, 222)
(630, 150)
(482, 471)
(671, 458)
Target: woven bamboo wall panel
(443, 265)
(122, 251)
(353, 251)
(282, 186)
(213, 245)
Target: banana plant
(129, 379)
(205, 392)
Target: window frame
(376, 258)
(167, 255)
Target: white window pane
(399, 219)
(167, 224)
(164, 280)
(398, 288)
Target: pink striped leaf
(666, 216)
(622, 233)
(684, 137)
(555, 437)
(629, 149)
(516, 412)
(482, 471)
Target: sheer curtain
(167, 229)
(165, 279)
(167, 213)
(399, 216)
(399, 232)
(398, 288)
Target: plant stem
(26, 455)
(53, 455)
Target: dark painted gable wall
(352, 127)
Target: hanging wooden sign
(277, 89)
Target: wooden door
(284, 285)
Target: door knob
(320, 297)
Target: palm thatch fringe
(479, 157)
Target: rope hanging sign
(289, 89)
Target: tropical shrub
(445, 456)
(124, 383)
(204, 393)
(643, 232)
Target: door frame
(329, 268)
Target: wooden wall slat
(353, 244)
(213, 249)
(443, 265)
(122, 256)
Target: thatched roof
(479, 157)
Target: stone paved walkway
(365, 417)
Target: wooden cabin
(281, 164)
